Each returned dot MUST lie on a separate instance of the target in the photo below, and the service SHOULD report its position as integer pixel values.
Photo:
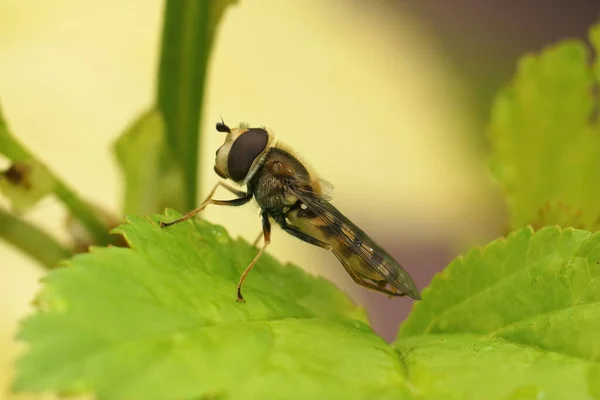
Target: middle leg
(267, 236)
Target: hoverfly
(293, 197)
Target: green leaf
(160, 320)
(546, 146)
(189, 30)
(520, 318)
(151, 173)
(463, 366)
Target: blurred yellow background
(365, 96)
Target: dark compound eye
(244, 151)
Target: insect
(293, 197)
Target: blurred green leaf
(189, 30)
(160, 320)
(546, 146)
(151, 174)
(519, 318)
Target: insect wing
(326, 188)
(359, 243)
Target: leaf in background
(189, 30)
(562, 215)
(545, 144)
(160, 320)
(518, 318)
(25, 181)
(151, 178)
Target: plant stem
(188, 32)
(81, 210)
(32, 240)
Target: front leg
(243, 199)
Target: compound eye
(244, 151)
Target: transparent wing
(357, 242)
(326, 187)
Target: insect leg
(243, 199)
(267, 235)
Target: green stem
(188, 33)
(32, 240)
(82, 211)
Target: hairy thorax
(270, 192)
(270, 183)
